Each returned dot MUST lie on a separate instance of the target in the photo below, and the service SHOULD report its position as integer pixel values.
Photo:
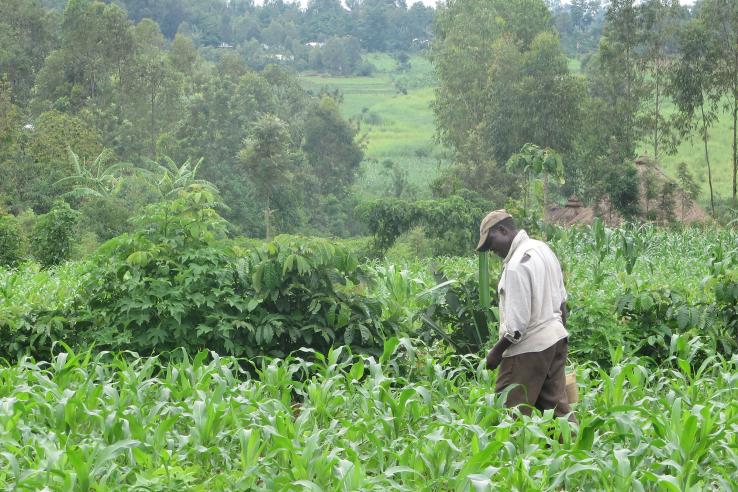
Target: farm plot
(404, 421)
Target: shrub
(452, 223)
(11, 243)
(455, 314)
(52, 234)
(365, 69)
(176, 282)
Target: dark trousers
(540, 380)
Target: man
(533, 346)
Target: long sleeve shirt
(531, 292)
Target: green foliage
(26, 37)
(271, 162)
(451, 222)
(456, 314)
(690, 189)
(622, 185)
(503, 80)
(11, 242)
(339, 56)
(331, 148)
(724, 283)
(171, 179)
(198, 422)
(175, 283)
(536, 164)
(37, 306)
(54, 132)
(97, 179)
(53, 233)
(36, 158)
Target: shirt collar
(520, 237)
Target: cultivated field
(652, 337)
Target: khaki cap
(488, 222)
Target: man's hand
(494, 357)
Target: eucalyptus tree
(616, 78)
(27, 35)
(720, 18)
(659, 22)
(693, 88)
(503, 81)
(151, 86)
(95, 42)
(331, 148)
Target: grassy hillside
(691, 151)
(393, 110)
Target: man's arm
(494, 357)
(564, 313)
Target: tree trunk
(628, 101)
(153, 126)
(707, 159)
(658, 115)
(735, 131)
(267, 217)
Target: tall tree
(503, 80)
(151, 80)
(27, 35)
(617, 78)
(11, 122)
(550, 96)
(659, 24)
(330, 148)
(183, 55)
(96, 41)
(270, 161)
(721, 19)
(693, 87)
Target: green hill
(399, 126)
(393, 110)
(692, 152)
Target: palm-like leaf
(171, 178)
(98, 179)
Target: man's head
(496, 233)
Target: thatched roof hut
(575, 212)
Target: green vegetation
(405, 421)
(652, 350)
(392, 109)
(235, 243)
(692, 152)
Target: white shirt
(531, 292)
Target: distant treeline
(277, 27)
(110, 115)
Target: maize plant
(339, 421)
